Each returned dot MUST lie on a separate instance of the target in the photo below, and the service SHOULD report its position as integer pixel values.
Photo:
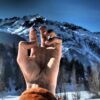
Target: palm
(42, 58)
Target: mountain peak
(78, 42)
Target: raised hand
(41, 67)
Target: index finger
(33, 37)
(42, 35)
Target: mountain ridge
(80, 47)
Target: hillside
(80, 63)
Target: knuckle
(18, 59)
(21, 43)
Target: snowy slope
(81, 47)
(83, 43)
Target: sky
(85, 13)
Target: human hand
(43, 60)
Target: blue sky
(85, 13)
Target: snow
(18, 30)
(83, 95)
(9, 98)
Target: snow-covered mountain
(81, 49)
(9, 70)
